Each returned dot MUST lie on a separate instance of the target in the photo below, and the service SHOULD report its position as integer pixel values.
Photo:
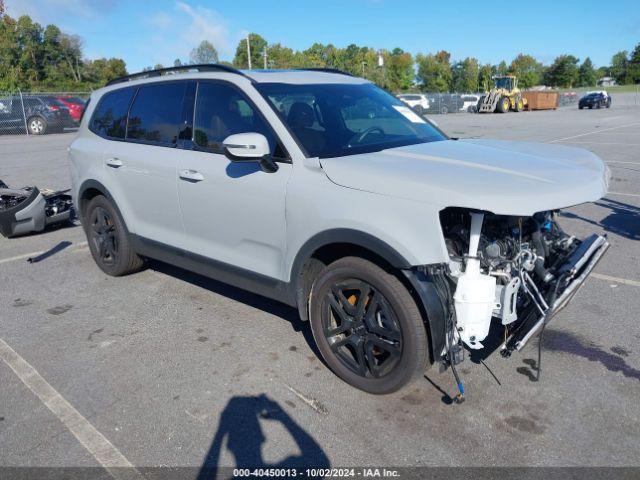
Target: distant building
(607, 82)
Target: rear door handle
(191, 175)
(114, 162)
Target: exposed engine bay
(515, 271)
(29, 209)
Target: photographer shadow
(240, 427)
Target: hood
(503, 177)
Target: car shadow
(273, 307)
(240, 430)
(623, 219)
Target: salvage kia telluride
(399, 244)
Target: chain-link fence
(40, 113)
(446, 103)
(442, 103)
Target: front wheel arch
(330, 245)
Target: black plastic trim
(223, 272)
(431, 307)
(201, 67)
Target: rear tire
(108, 239)
(37, 125)
(367, 326)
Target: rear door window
(156, 115)
(110, 118)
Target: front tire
(367, 326)
(108, 239)
(504, 105)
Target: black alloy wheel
(367, 326)
(103, 236)
(361, 329)
(108, 238)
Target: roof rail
(201, 67)
(326, 70)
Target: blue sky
(144, 33)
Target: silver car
(400, 245)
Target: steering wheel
(368, 132)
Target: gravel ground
(174, 369)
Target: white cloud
(205, 24)
(54, 11)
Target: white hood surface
(502, 177)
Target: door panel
(146, 189)
(142, 165)
(232, 212)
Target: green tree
(465, 75)
(634, 65)
(204, 53)
(177, 62)
(620, 66)
(257, 44)
(501, 68)
(587, 76)
(527, 69)
(279, 56)
(434, 72)
(563, 72)
(399, 74)
(484, 77)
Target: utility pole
(264, 56)
(248, 52)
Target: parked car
(75, 105)
(419, 102)
(469, 103)
(40, 115)
(595, 100)
(400, 245)
(444, 103)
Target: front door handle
(114, 162)
(191, 175)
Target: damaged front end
(28, 209)
(519, 271)
(514, 271)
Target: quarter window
(156, 114)
(110, 118)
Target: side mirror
(250, 147)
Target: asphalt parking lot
(168, 368)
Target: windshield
(334, 120)
(503, 82)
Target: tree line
(33, 57)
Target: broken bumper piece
(572, 275)
(27, 210)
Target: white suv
(320, 190)
(417, 101)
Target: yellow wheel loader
(504, 96)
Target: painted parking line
(104, 452)
(609, 278)
(75, 247)
(595, 131)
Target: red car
(75, 105)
